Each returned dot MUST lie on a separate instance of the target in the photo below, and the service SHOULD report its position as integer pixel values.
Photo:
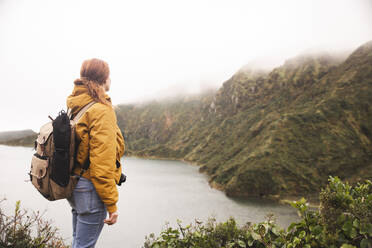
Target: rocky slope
(268, 133)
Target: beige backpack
(53, 162)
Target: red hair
(93, 74)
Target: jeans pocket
(96, 203)
(85, 199)
(82, 201)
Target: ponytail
(95, 90)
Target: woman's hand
(113, 217)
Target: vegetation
(22, 137)
(27, 229)
(27, 141)
(344, 220)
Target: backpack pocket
(60, 172)
(39, 167)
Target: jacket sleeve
(102, 155)
(120, 145)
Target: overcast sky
(156, 48)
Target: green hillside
(278, 133)
(18, 138)
(27, 140)
(12, 135)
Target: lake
(156, 192)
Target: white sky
(156, 48)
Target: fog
(156, 48)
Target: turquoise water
(156, 192)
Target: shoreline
(282, 200)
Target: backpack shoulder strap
(82, 111)
(69, 113)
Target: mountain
(278, 133)
(22, 137)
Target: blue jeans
(88, 213)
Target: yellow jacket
(100, 143)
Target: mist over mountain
(267, 133)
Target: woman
(100, 145)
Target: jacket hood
(79, 98)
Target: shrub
(343, 220)
(28, 230)
(214, 235)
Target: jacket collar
(79, 98)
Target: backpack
(53, 162)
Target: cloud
(155, 46)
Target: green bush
(213, 235)
(27, 230)
(343, 220)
